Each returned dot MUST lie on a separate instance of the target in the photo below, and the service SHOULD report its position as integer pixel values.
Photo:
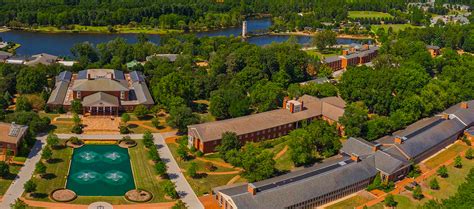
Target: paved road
(16, 188)
(185, 191)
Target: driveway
(183, 188)
(16, 188)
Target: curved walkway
(221, 164)
(16, 188)
(233, 180)
(282, 152)
(53, 205)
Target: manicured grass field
(317, 53)
(449, 153)
(49, 115)
(5, 182)
(56, 174)
(349, 203)
(61, 128)
(395, 27)
(403, 202)
(368, 14)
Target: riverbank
(119, 29)
(301, 33)
(4, 29)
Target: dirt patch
(138, 195)
(63, 195)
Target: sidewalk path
(16, 188)
(183, 188)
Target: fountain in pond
(86, 177)
(88, 157)
(112, 157)
(115, 177)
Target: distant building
(11, 136)
(4, 56)
(43, 58)
(169, 57)
(267, 125)
(355, 55)
(316, 81)
(433, 50)
(358, 163)
(101, 91)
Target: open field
(449, 153)
(395, 27)
(368, 14)
(404, 202)
(349, 203)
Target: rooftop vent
(294, 106)
(14, 130)
(464, 105)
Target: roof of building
(101, 73)
(316, 181)
(43, 58)
(59, 93)
(64, 76)
(100, 84)
(170, 57)
(137, 76)
(332, 59)
(317, 81)
(432, 47)
(11, 132)
(142, 94)
(5, 55)
(388, 164)
(357, 146)
(331, 107)
(100, 99)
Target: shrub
(153, 153)
(52, 140)
(434, 185)
(170, 189)
(29, 186)
(442, 172)
(155, 122)
(125, 118)
(160, 168)
(140, 111)
(458, 162)
(40, 168)
(76, 129)
(19, 204)
(390, 201)
(75, 140)
(417, 193)
(4, 168)
(182, 152)
(47, 153)
(415, 172)
(124, 130)
(148, 139)
(210, 167)
(179, 205)
(192, 170)
(199, 153)
(469, 154)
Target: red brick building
(355, 55)
(11, 136)
(267, 125)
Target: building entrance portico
(100, 104)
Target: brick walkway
(54, 205)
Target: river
(61, 43)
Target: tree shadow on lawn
(9, 176)
(39, 195)
(132, 126)
(200, 176)
(49, 176)
(55, 160)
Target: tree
(376, 183)
(229, 141)
(76, 106)
(442, 171)
(140, 111)
(258, 164)
(192, 170)
(155, 122)
(468, 154)
(40, 168)
(417, 193)
(458, 162)
(47, 154)
(148, 139)
(182, 152)
(301, 149)
(29, 186)
(266, 96)
(75, 140)
(434, 185)
(324, 39)
(390, 201)
(22, 104)
(160, 168)
(125, 118)
(179, 205)
(180, 117)
(355, 119)
(4, 168)
(76, 119)
(31, 80)
(19, 204)
(52, 140)
(229, 102)
(77, 129)
(170, 189)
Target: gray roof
(102, 84)
(388, 164)
(317, 81)
(100, 99)
(137, 76)
(170, 57)
(43, 58)
(142, 93)
(5, 55)
(59, 93)
(307, 188)
(357, 146)
(332, 59)
(64, 76)
(432, 47)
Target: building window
(122, 95)
(79, 94)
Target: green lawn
(61, 128)
(6, 181)
(322, 55)
(449, 153)
(395, 27)
(404, 202)
(56, 174)
(49, 115)
(350, 202)
(144, 175)
(368, 14)
(136, 129)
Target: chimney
(251, 189)
(355, 157)
(445, 116)
(398, 140)
(302, 105)
(345, 52)
(292, 107)
(88, 76)
(365, 47)
(112, 76)
(285, 100)
(464, 105)
(376, 147)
